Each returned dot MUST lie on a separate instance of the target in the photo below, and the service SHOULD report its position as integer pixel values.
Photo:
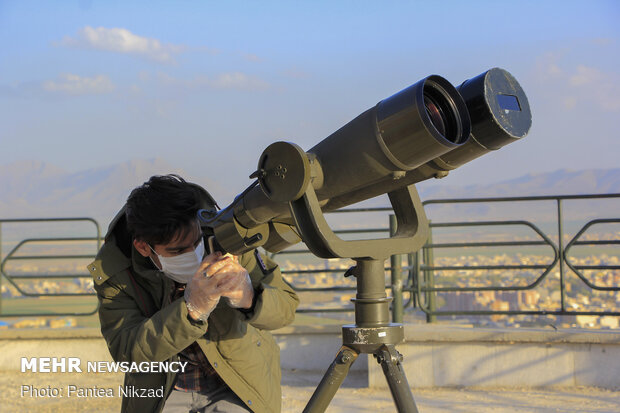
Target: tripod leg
(333, 378)
(390, 360)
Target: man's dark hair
(164, 205)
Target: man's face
(185, 240)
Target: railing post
(413, 262)
(429, 279)
(396, 271)
(1, 261)
(561, 253)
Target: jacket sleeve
(276, 301)
(133, 337)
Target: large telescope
(421, 132)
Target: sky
(207, 85)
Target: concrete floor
(352, 397)
(355, 397)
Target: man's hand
(234, 281)
(202, 293)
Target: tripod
(372, 332)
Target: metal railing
(16, 255)
(422, 283)
(419, 290)
(335, 289)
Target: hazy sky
(208, 85)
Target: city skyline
(545, 296)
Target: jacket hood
(118, 254)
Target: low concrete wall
(87, 344)
(437, 355)
(313, 348)
(310, 348)
(434, 355)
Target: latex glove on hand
(235, 284)
(202, 293)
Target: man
(160, 301)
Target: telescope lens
(421, 122)
(442, 114)
(436, 117)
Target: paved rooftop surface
(441, 400)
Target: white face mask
(181, 268)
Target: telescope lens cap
(498, 108)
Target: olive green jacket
(140, 324)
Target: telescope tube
(500, 114)
(399, 134)
(421, 132)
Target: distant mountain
(38, 189)
(561, 182)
